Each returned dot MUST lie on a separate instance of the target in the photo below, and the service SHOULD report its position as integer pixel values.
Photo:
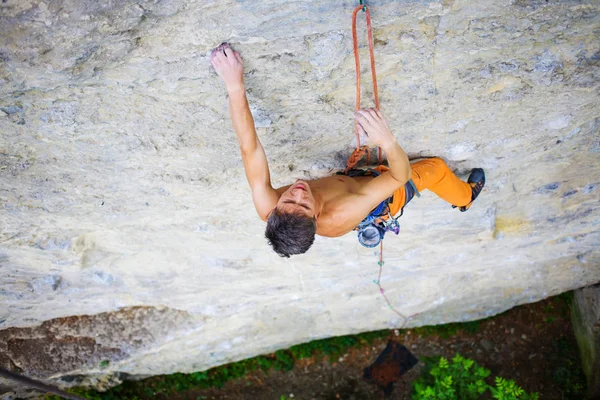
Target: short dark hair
(290, 233)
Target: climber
(335, 205)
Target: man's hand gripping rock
(372, 124)
(229, 66)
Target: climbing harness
(373, 228)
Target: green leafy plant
(463, 379)
(567, 373)
(508, 390)
(448, 330)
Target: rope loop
(356, 156)
(373, 75)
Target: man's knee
(429, 172)
(434, 171)
(438, 163)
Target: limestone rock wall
(127, 222)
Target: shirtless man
(332, 206)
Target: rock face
(129, 240)
(586, 324)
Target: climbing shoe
(477, 182)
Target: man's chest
(333, 188)
(337, 217)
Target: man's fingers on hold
(221, 56)
(365, 114)
(362, 114)
(360, 117)
(363, 121)
(225, 46)
(228, 52)
(361, 129)
(238, 56)
(372, 113)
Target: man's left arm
(228, 64)
(372, 122)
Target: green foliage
(334, 347)
(284, 360)
(566, 297)
(508, 390)
(463, 379)
(447, 330)
(568, 375)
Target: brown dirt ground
(528, 344)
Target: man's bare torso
(337, 194)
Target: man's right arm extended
(228, 65)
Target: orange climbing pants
(433, 174)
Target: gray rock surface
(586, 324)
(125, 210)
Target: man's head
(291, 227)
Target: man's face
(297, 199)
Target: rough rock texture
(586, 324)
(124, 199)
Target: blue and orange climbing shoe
(477, 182)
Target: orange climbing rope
(361, 151)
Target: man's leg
(434, 174)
